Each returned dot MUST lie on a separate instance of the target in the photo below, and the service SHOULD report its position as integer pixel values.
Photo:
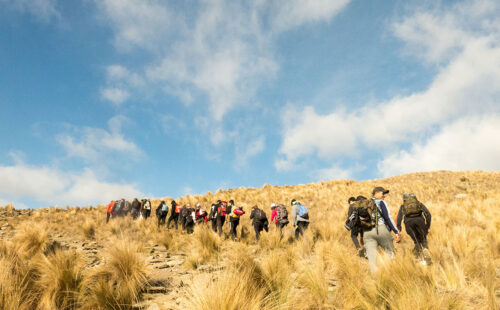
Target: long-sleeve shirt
(295, 216)
(386, 218)
(425, 213)
(110, 206)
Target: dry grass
(320, 271)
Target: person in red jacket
(109, 210)
(234, 219)
(274, 213)
(200, 214)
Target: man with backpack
(136, 208)
(185, 213)
(300, 216)
(174, 214)
(161, 213)
(279, 216)
(213, 215)
(234, 219)
(356, 230)
(417, 219)
(259, 221)
(200, 214)
(189, 219)
(109, 210)
(377, 224)
(146, 208)
(221, 216)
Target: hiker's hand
(398, 238)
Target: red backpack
(222, 209)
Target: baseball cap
(380, 189)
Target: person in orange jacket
(109, 210)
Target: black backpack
(260, 215)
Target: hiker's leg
(176, 221)
(411, 231)
(257, 229)
(219, 225)
(371, 245)
(214, 225)
(385, 240)
(107, 217)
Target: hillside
(71, 259)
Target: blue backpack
(302, 210)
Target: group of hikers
(368, 219)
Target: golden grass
(320, 271)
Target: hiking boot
(427, 257)
(362, 252)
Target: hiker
(136, 208)
(377, 226)
(234, 220)
(161, 213)
(356, 230)
(189, 219)
(118, 208)
(279, 216)
(127, 206)
(259, 222)
(213, 215)
(417, 219)
(200, 214)
(109, 210)
(221, 216)
(146, 208)
(174, 214)
(184, 215)
(300, 217)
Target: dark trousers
(258, 227)
(233, 224)
(173, 217)
(183, 223)
(416, 228)
(146, 214)
(301, 226)
(354, 236)
(220, 223)
(108, 215)
(214, 225)
(189, 226)
(161, 220)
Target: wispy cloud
(43, 10)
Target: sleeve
(252, 215)
(400, 218)
(427, 216)
(388, 218)
(273, 215)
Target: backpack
(260, 215)
(164, 208)
(147, 205)
(302, 210)
(367, 212)
(222, 210)
(411, 206)
(178, 209)
(282, 214)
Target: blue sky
(123, 98)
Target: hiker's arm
(427, 215)
(400, 218)
(294, 215)
(388, 218)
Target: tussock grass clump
(60, 276)
(88, 229)
(204, 247)
(31, 239)
(118, 283)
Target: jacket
(425, 214)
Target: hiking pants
(214, 225)
(220, 223)
(161, 219)
(373, 241)
(183, 223)
(416, 228)
(258, 227)
(354, 237)
(146, 214)
(189, 227)
(108, 215)
(173, 217)
(301, 226)
(233, 224)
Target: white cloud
(92, 144)
(219, 48)
(466, 85)
(116, 95)
(41, 9)
(245, 152)
(51, 186)
(467, 144)
(332, 173)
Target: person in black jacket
(259, 221)
(136, 208)
(161, 213)
(356, 231)
(174, 215)
(417, 226)
(213, 215)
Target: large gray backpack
(282, 214)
